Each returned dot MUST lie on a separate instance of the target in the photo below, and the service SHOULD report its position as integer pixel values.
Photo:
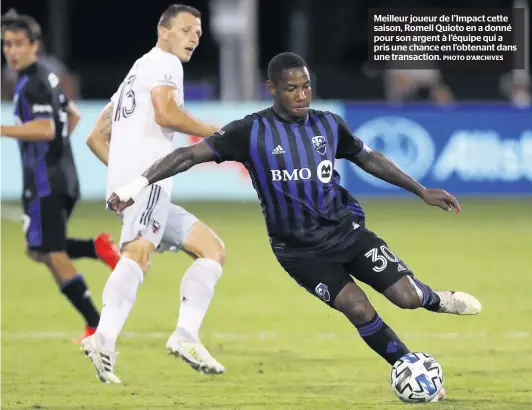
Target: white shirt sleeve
(165, 70)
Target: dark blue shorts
(45, 222)
(368, 260)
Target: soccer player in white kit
(135, 129)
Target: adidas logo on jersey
(278, 150)
(400, 268)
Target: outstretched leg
(377, 266)
(411, 293)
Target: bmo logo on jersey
(324, 171)
(295, 175)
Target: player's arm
(41, 127)
(231, 143)
(376, 164)
(73, 116)
(100, 135)
(168, 114)
(34, 130)
(176, 162)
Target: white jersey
(137, 141)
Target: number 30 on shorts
(380, 261)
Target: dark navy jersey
(291, 166)
(48, 166)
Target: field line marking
(270, 335)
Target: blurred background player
(46, 118)
(68, 81)
(135, 129)
(317, 229)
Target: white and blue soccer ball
(416, 378)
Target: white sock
(119, 295)
(197, 291)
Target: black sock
(81, 248)
(430, 300)
(77, 292)
(382, 339)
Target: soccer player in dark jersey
(45, 119)
(317, 229)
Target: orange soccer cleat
(106, 250)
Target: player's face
(18, 49)
(184, 35)
(293, 93)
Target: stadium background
(282, 349)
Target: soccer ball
(416, 378)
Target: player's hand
(125, 196)
(116, 204)
(441, 198)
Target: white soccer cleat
(102, 359)
(458, 303)
(194, 354)
(440, 396)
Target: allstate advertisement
(466, 149)
(209, 181)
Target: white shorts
(154, 217)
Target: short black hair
(13, 21)
(281, 62)
(174, 10)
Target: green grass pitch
(282, 348)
